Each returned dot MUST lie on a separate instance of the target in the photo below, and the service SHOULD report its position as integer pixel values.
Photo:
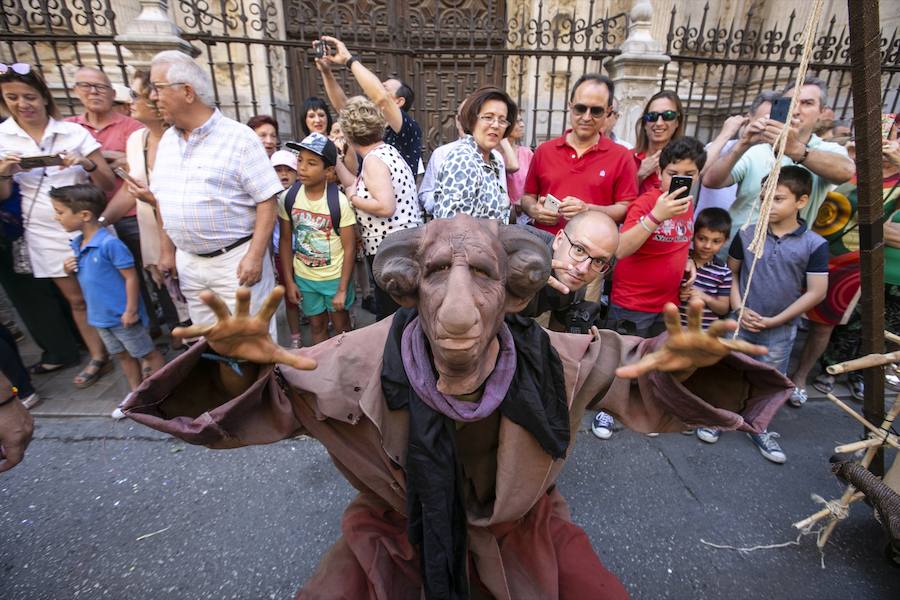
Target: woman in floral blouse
(469, 178)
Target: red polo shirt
(604, 175)
(652, 181)
(112, 137)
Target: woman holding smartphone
(35, 129)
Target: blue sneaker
(768, 447)
(602, 426)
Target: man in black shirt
(392, 96)
(582, 251)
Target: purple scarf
(414, 352)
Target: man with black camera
(392, 96)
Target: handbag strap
(37, 190)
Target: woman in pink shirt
(515, 182)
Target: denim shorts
(779, 341)
(135, 340)
(318, 295)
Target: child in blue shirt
(109, 281)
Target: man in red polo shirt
(583, 169)
(111, 128)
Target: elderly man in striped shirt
(215, 189)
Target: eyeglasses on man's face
(100, 88)
(596, 111)
(579, 254)
(156, 86)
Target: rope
(768, 193)
(836, 508)
(746, 550)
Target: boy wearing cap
(323, 236)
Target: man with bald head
(583, 251)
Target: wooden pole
(865, 60)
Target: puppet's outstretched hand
(686, 350)
(242, 335)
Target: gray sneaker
(31, 401)
(798, 397)
(767, 446)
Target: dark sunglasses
(18, 68)
(667, 115)
(596, 111)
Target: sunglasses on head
(596, 111)
(667, 115)
(17, 68)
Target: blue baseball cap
(317, 144)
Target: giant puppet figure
(452, 419)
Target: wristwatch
(102, 221)
(803, 158)
(351, 60)
(93, 166)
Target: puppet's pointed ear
(528, 266)
(396, 268)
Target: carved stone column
(152, 31)
(635, 71)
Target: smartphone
(320, 48)
(123, 174)
(46, 160)
(679, 181)
(887, 121)
(551, 203)
(780, 110)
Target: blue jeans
(779, 341)
(634, 322)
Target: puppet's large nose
(458, 314)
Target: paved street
(252, 523)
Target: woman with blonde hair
(384, 193)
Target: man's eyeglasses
(100, 88)
(17, 68)
(490, 120)
(667, 115)
(596, 111)
(155, 87)
(578, 253)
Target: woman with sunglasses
(140, 151)
(35, 129)
(661, 122)
(469, 179)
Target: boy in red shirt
(654, 244)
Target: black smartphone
(780, 110)
(34, 162)
(679, 181)
(320, 48)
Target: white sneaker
(117, 414)
(31, 401)
(602, 426)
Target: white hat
(284, 158)
(123, 94)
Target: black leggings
(11, 364)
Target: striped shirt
(713, 279)
(208, 185)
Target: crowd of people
(115, 225)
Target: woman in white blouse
(36, 129)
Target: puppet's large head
(463, 274)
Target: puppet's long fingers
(242, 302)
(695, 315)
(292, 359)
(745, 347)
(672, 319)
(194, 331)
(216, 304)
(648, 363)
(721, 327)
(270, 304)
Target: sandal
(44, 368)
(88, 379)
(824, 383)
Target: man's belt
(227, 248)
